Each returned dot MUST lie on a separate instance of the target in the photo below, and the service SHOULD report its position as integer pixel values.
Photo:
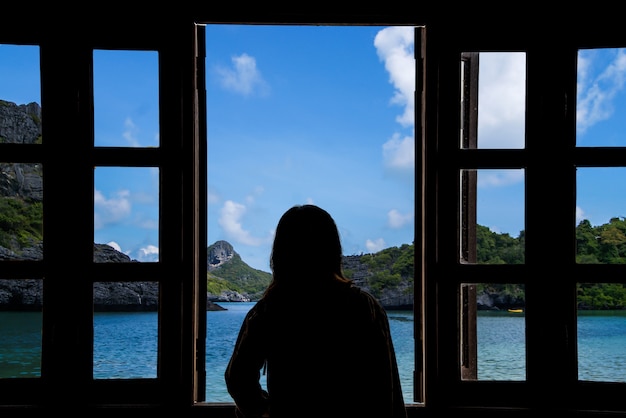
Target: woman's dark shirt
(328, 354)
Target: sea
(125, 346)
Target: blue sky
(319, 115)
(310, 115)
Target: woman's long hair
(307, 249)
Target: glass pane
(20, 328)
(126, 98)
(493, 231)
(126, 213)
(349, 148)
(497, 119)
(20, 94)
(21, 211)
(125, 330)
(493, 341)
(601, 226)
(601, 98)
(602, 332)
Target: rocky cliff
(229, 278)
(398, 297)
(20, 125)
(27, 294)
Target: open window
(328, 117)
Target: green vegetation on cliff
(21, 223)
(603, 244)
(390, 267)
(235, 275)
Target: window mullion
(550, 219)
(68, 215)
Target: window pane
(21, 211)
(497, 119)
(602, 332)
(20, 93)
(601, 98)
(348, 147)
(494, 346)
(601, 226)
(126, 212)
(498, 217)
(125, 330)
(20, 328)
(126, 98)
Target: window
(21, 213)
(600, 301)
(298, 114)
(506, 253)
(110, 265)
(491, 220)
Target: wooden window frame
(550, 152)
(68, 157)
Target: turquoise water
(602, 346)
(20, 344)
(125, 346)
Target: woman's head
(306, 243)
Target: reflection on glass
(494, 99)
(600, 222)
(21, 211)
(125, 330)
(20, 328)
(601, 98)
(126, 98)
(493, 341)
(126, 214)
(601, 326)
(492, 216)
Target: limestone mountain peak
(219, 253)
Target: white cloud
(244, 76)
(230, 218)
(394, 46)
(130, 133)
(148, 253)
(499, 178)
(396, 220)
(580, 214)
(501, 99)
(594, 97)
(111, 211)
(375, 245)
(399, 153)
(115, 246)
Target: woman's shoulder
(362, 296)
(362, 293)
